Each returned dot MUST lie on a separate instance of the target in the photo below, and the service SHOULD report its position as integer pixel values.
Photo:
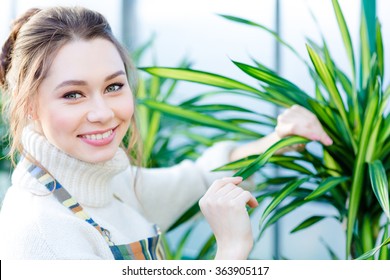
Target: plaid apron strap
(63, 196)
(146, 249)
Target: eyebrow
(83, 83)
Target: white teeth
(106, 134)
(98, 136)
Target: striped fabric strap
(145, 249)
(63, 196)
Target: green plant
(352, 175)
(167, 141)
(158, 131)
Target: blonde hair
(27, 54)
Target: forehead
(81, 59)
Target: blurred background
(192, 30)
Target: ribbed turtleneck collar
(88, 183)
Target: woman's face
(85, 104)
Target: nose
(100, 110)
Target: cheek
(63, 122)
(125, 109)
(59, 121)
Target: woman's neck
(88, 183)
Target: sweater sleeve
(166, 193)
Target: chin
(101, 159)
(97, 157)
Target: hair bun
(6, 51)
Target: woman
(65, 81)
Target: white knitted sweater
(34, 225)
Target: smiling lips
(98, 139)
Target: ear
(31, 115)
(32, 110)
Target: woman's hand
(297, 120)
(223, 205)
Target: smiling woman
(69, 104)
(82, 112)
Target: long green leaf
(365, 52)
(275, 181)
(385, 101)
(366, 233)
(172, 87)
(197, 118)
(328, 81)
(207, 249)
(183, 242)
(374, 144)
(372, 252)
(281, 97)
(385, 132)
(350, 54)
(284, 193)
(263, 158)
(241, 163)
(203, 140)
(248, 120)
(290, 93)
(273, 33)
(143, 112)
(379, 49)
(266, 76)
(325, 118)
(380, 185)
(194, 209)
(292, 166)
(153, 127)
(167, 250)
(332, 254)
(345, 35)
(217, 108)
(359, 168)
(281, 212)
(384, 251)
(202, 78)
(325, 186)
(307, 223)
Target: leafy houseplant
(351, 175)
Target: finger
(225, 189)
(247, 198)
(235, 180)
(301, 111)
(311, 132)
(234, 193)
(325, 139)
(252, 202)
(317, 134)
(220, 183)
